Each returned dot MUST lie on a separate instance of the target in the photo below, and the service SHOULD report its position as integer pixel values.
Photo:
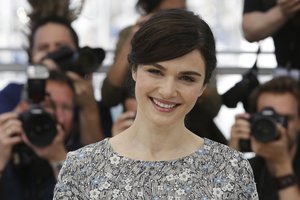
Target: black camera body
(82, 61)
(39, 125)
(264, 127)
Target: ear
(133, 73)
(202, 89)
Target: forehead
(284, 103)
(59, 90)
(52, 31)
(191, 61)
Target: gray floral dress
(213, 172)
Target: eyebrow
(183, 73)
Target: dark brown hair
(278, 85)
(50, 19)
(170, 34)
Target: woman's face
(167, 91)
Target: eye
(187, 78)
(154, 71)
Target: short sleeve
(67, 183)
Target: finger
(38, 57)
(126, 124)
(12, 126)
(7, 116)
(245, 116)
(74, 76)
(239, 133)
(13, 140)
(60, 133)
(127, 115)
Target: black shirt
(286, 39)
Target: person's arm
(210, 101)
(279, 158)
(260, 25)
(89, 117)
(118, 71)
(291, 193)
(113, 85)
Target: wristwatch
(283, 182)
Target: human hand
(276, 153)
(41, 58)
(54, 152)
(124, 121)
(83, 90)
(240, 130)
(289, 7)
(10, 135)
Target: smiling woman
(172, 59)
(168, 90)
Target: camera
(82, 61)
(264, 127)
(39, 125)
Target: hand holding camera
(36, 127)
(10, 135)
(53, 152)
(262, 126)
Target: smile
(163, 105)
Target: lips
(165, 106)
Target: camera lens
(39, 126)
(264, 129)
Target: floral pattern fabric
(213, 172)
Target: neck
(146, 141)
(156, 138)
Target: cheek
(293, 128)
(191, 95)
(143, 84)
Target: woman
(117, 86)
(172, 58)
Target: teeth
(163, 105)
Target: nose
(168, 89)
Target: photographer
(47, 36)
(276, 165)
(36, 178)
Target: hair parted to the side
(170, 34)
(278, 85)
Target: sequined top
(214, 171)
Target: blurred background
(100, 21)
